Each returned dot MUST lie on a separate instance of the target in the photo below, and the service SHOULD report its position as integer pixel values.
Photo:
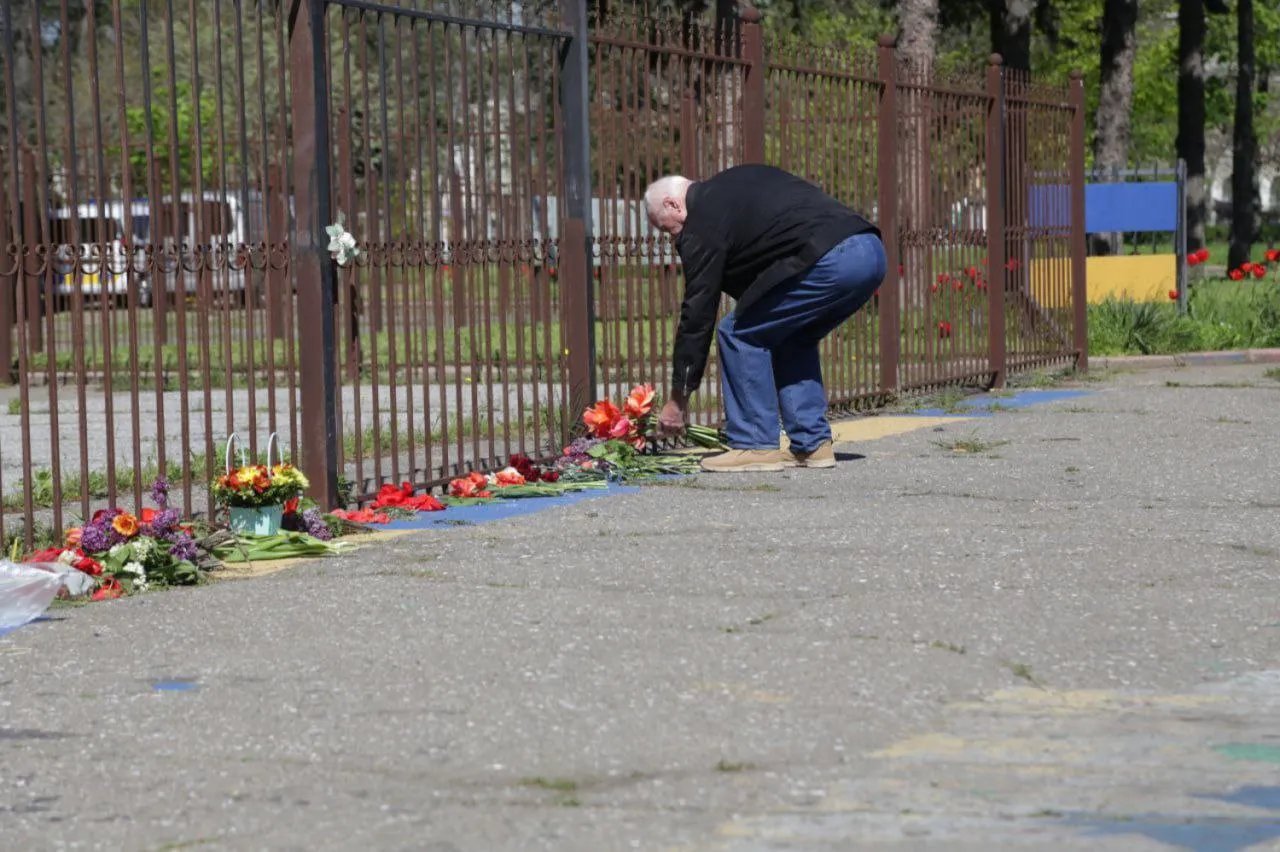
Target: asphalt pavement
(1050, 625)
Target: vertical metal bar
(31, 215)
(8, 265)
(131, 285)
(1180, 234)
(887, 178)
(1076, 159)
(577, 309)
(311, 170)
(996, 272)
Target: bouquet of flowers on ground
(256, 485)
(129, 553)
(632, 424)
(618, 437)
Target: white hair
(663, 187)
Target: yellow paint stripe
(871, 428)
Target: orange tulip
(125, 524)
(73, 537)
(640, 401)
(600, 418)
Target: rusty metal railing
(167, 170)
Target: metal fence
(167, 171)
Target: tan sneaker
(745, 461)
(823, 456)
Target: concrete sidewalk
(1051, 627)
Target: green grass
(972, 445)
(15, 406)
(1221, 314)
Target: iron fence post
(314, 268)
(887, 180)
(1079, 293)
(997, 279)
(578, 300)
(753, 103)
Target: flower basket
(257, 520)
(256, 494)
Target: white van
(206, 235)
(88, 251)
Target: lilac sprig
(160, 492)
(316, 527)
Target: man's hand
(672, 418)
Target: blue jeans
(769, 363)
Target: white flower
(342, 245)
(140, 585)
(136, 569)
(67, 557)
(142, 547)
(115, 549)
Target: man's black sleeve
(703, 273)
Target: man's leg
(750, 397)
(791, 321)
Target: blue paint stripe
(981, 404)
(500, 510)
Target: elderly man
(799, 264)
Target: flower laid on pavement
(633, 424)
(128, 553)
(402, 497)
(361, 516)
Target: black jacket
(748, 229)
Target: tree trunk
(917, 43)
(1115, 98)
(1190, 143)
(919, 26)
(1011, 31)
(1244, 147)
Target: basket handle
(273, 441)
(232, 440)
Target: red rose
(1273, 255)
(1193, 259)
(944, 329)
(550, 476)
(291, 506)
(49, 554)
(88, 566)
(1259, 271)
(943, 278)
(972, 272)
(1236, 274)
(1202, 255)
(1173, 295)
